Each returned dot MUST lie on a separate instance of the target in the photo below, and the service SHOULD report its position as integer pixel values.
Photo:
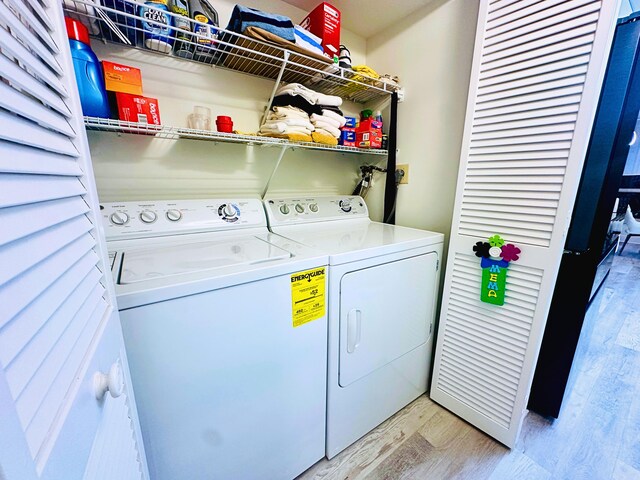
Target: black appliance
(590, 243)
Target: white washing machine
(383, 283)
(226, 335)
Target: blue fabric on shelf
(244, 17)
(303, 37)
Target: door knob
(112, 382)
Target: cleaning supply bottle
(93, 96)
(203, 11)
(182, 47)
(157, 36)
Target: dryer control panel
(169, 217)
(292, 211)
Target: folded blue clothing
(306, 37)
(244, 17)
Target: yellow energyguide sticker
(307, 296)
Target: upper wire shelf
(169, 132)
(118, 21)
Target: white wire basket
(120, 21)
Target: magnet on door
(495, 258)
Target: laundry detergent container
(93, 96)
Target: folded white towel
(292, 121)
(335, 116)
(328, 127)
(330, 100)
(331, 121)
(280, 127)
(297, 89)
(285, 112)
(312, 97)
(324, 131)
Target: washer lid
(165, 261)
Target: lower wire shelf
(169, 132)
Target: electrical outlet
(405, 168)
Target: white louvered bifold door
(537, 71)
(56, 299)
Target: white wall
(431, 52)
(130, 167)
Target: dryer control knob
(284, 209)
(313, 207)
(119, 218)
(299, 208)
(147, 216)
(345, 205)
(229, 210)
(174, 215)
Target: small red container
(224, 124)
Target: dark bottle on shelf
(182, 23)
(202, 11)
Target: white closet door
(537, 71)
(58, 321)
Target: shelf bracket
(273, 172)
(283, 67)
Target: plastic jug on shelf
(93, 96)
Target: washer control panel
(165, 217)
(289, 211)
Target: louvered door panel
(535, 94)
(116, 435)
(56, 300)
(538, 67)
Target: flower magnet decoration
(495, 257)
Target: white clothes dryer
(383, 284)
(226, 341)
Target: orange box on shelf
(324, 22)
(136, 108)
(122, 78)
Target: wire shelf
(168, 132)
(119, 21)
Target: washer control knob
(229, 210)
(313, 207)
(147, 216)
(299, 208)
(119, 218)
(345, 205)
(174, 215)
(284, 209)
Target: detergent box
(122, 78)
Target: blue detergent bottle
(93, 96)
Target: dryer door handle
(354, 329)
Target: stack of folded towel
(244, 17)
(327, 127)
(288, 122)
(314, 98)
(324, 111)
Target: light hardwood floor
(596, 437)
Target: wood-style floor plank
(597, 436)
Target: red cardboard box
(136, 108)
(369, 134)
(324, 22)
